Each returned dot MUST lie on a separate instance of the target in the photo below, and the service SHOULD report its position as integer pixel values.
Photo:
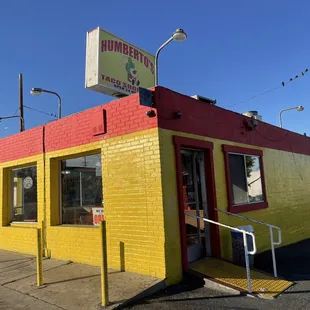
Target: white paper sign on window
(98, 215)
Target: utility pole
(21, 103)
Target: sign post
(39, 258)
(104, 265)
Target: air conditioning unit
(253, 114)
(204, 99)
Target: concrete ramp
(234, 277)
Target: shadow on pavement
(16, 264)
(190, 283)
(14, 260)
(205, 298)
(292, 261)
(73, 279)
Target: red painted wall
(24, 144)
(113, 119)
(214, 122)
(123, 116)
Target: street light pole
(178, 35)
(59, 100)
(156, 59)
(299, 108)
(38, 91)
(21, 103)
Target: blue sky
(235, 50)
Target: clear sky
(235, 50)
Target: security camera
(150, 113)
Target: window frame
(11, 194)
(246, 207)
(60, 160)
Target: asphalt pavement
(298, 297)
(293, 264)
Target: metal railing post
(246, 251)
(104, 266)
(247, 264)
(275, 273)
(271, 227)
(39, 258)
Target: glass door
(195, 202)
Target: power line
(272, 140)
(5, 124)
(15, 113)
(272, 89)
(292, 152)
(39, 111)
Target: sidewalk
(67, 285)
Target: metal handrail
(246, 251)
(272, 242)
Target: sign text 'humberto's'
(115, 67)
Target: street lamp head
(36, 91)
(179, 35)
(300, 108)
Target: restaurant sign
(115, 67)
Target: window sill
(23, 224)
(75, 226)
(248, 207)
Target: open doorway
(195, 202)
(197, 198)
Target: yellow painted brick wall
(131, 177)
(19, 237)
(287, 179)
(142, 236)
(133, 203)
(68, 242)
(170, 205)
(79, 244)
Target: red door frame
(207, 149)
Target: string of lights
(303, 73)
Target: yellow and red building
(143, 173)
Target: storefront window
(245, 178)
(246, 189)
(24, 193)
(81, 190)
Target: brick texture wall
(21, 145)
(287, 177)
(133, 203)
(18, 239)
(122, 116)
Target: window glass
(24, 194)
(245, 177)
(81, 190)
